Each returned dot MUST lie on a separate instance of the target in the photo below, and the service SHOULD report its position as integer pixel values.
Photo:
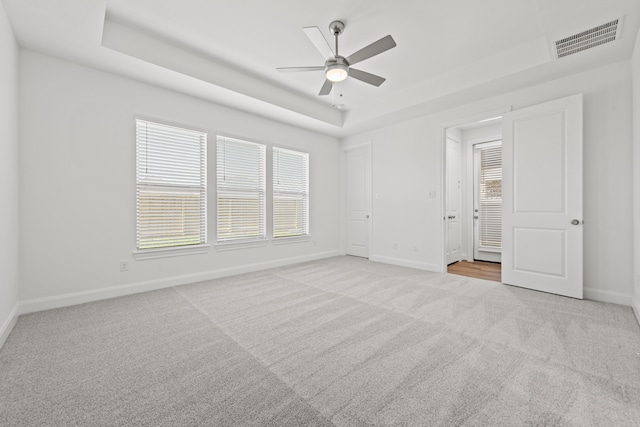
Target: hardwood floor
(478, 269)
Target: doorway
(472, 211)
(542, 231)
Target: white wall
(8, 178)
(635, 63)
(77, 176)
(407, 165)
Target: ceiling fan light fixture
(337, 72)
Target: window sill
(288, 240)
(494, 250)
(230, 246)
(170, 252)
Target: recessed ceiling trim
(129, 39)
(588, 39)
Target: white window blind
(290, 193)
(490, 197)
(241, 190)
(171, 176)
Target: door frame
(475, 196)
(345, 214)
(460, 218)
(443, 170)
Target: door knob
(575, 221)
(367, 216)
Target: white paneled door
(452, 209)
(542, 197)
(358, 200)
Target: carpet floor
(336, 342)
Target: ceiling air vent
(597, 36)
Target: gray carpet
(341, 341)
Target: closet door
(452, 201)
(358, 200)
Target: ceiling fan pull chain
(333, 93)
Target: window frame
(304, 193)
(261, 190)
(201, 189)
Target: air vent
(597, 36)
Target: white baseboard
(9, 323)
(47, 303)
(608, 296)
(406, 263)
(636, 308)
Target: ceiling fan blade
(326, 88)
(372, 79)
(373, 49)
(296, 69)
(319, 42)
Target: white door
(487, 201)
(452, 208)
(358, 200)
(542, 197)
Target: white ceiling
(448, 51)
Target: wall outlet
(395, 246)
(124, 265)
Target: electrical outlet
(395, 246)
(124, 265)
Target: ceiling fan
(337, 67)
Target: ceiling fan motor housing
(337, 69)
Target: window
(489, 157)
(241, 190)
(171, 193)
(290, 193)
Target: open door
(542, 197)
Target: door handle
(575, 222)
